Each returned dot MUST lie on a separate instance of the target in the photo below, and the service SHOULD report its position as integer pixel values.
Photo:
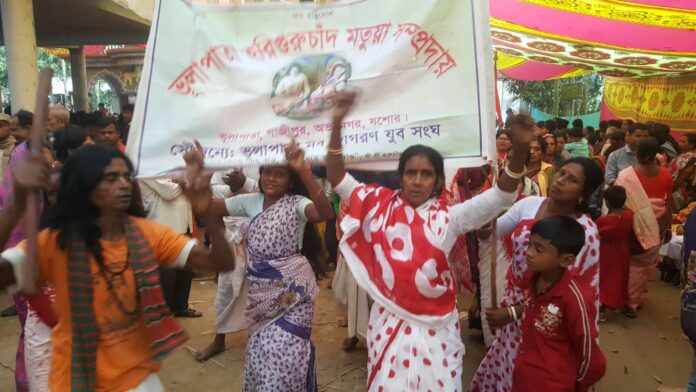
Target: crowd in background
(619, 192)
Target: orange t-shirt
(123, 353)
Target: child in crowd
(615, 229)
(561, 155)
(577, 145)
(559, 350)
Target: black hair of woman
(25, 118)
(502, 131)
(542, 143)
(311, 242)
(647, 150)
(691, 139)
(434, 157)
(68, 139)
(593, 179)
(591, 137)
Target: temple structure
(71, 24)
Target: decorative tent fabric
(665, 100)
(548, 39)
(94, 51)
(551, 39)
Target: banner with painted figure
(244, 80)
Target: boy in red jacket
(559, 350)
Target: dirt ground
(642, 354)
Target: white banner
(244, 80)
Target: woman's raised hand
(343, 103)
(195, 159)
(295, 156)
(335, 167)
(235, 179)
(522, 130)
(196, 184)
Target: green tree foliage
(61, 69)
(576, 96)
(4, 78)
(540, 94)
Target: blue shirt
(619, 160)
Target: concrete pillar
(79, 79)
(20, 41)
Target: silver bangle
(514, 313)
(516, 176)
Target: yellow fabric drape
(545, 177)
(666, 100)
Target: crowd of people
(561, 231)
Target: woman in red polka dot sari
(570, 190)
(397, 244)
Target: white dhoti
(484, 265)
(37, 352)
(353, 297)
(232, 288)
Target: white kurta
(165, 203)
(232, 289)
(354, 298)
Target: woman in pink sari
(397, 244)
(18, 234)
(569, 194)
(649, 189)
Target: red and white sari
(495, 371)
(398, 254)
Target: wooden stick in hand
(38, 135)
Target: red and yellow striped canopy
(549, 39)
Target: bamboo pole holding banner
(38, 134)
(494, 244)
(494, 181)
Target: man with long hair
(103, 259)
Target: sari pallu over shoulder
(279, 282)
(397, 256)
(645, 210)
(282, 290)
(278, 286)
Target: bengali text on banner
(244, 80)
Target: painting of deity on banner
(301, 90)
(245, 80)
